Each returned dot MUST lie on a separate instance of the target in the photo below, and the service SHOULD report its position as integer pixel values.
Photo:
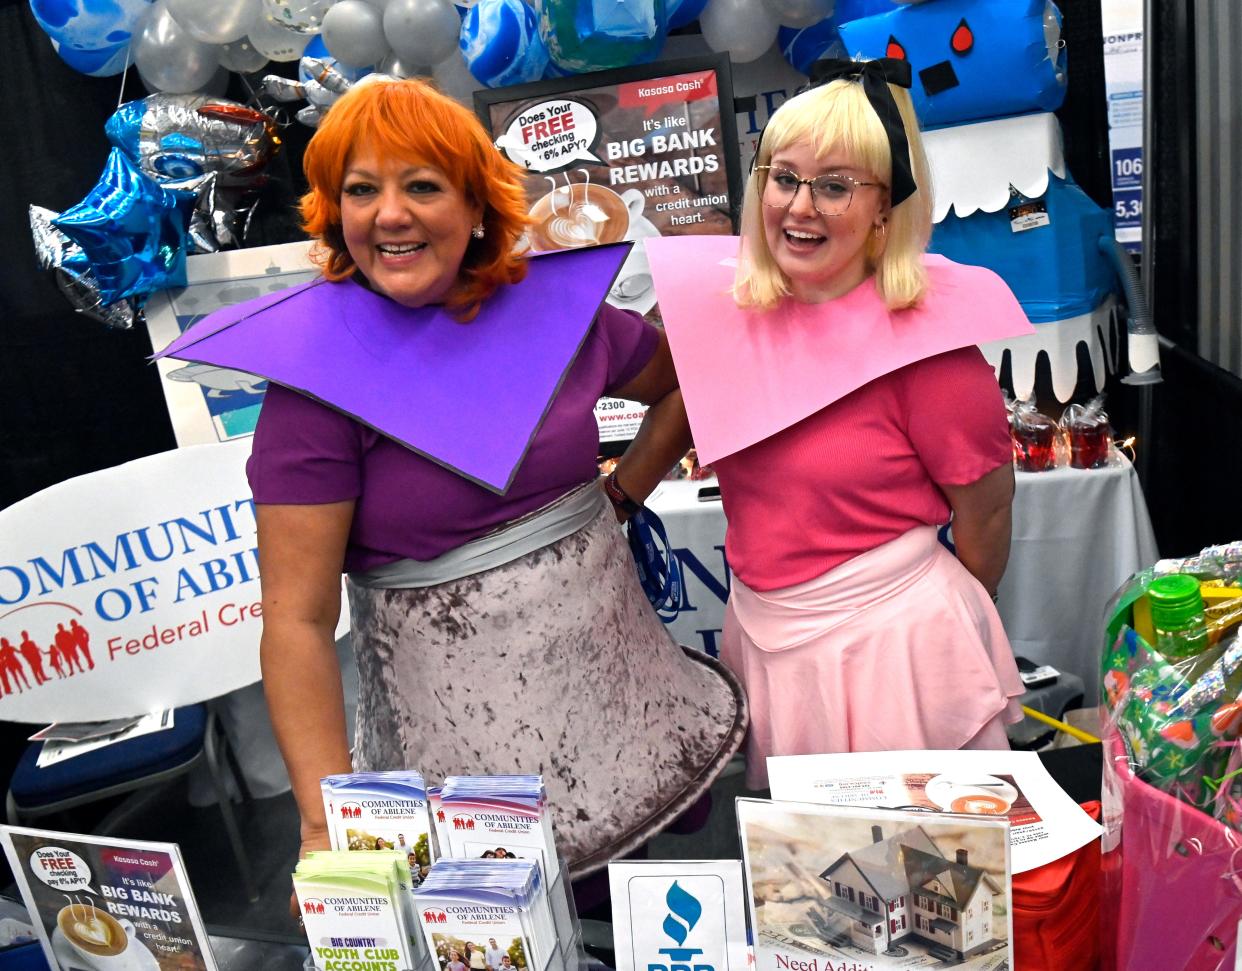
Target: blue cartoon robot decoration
(960, 49)
(987, 76)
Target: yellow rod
(1060, 726)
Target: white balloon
(422, 31)
(393, 66)
(168, 58)
(304, 16)
(453, 78)
(353, 32)
(275, 42)
(217, 21)
(744, 28)
(800, 13)
(242, 57)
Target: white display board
(1122, 22)
(132, 589)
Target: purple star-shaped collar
(470, 397)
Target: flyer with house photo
(101, 904)
(875, 889)
(1045, 822)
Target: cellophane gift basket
(1171, 681)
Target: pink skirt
(898, 648)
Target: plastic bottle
(1177, 615)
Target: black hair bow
(875, 77)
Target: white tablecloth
(1077, 534)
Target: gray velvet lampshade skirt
(552, 664)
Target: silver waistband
(538, 529)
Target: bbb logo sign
(684, 914)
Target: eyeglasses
(830, 194)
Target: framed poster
(104, 904)
(211, 404)
(623, 155)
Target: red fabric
(1056, 911)
(863, 471)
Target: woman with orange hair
(498, 624)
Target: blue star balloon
(589, 35)
(132, 231)
(500, 43)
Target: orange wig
(412, 121)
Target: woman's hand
(982, 522)
(301, 552)
(664, 436)
(313, 838)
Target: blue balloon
(103, 62)
(500, 43)
(803, 46)
(554, 70)
(683, 12)
(132, 231)
(89, 25)
(586, 35)
(318, 49)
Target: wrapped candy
(1174, 751)
(1034, 436)
(1089, 434)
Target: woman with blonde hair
(832, 382)
(429, 431)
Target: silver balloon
(242, 57)
(277, 43)
(394, 66)
(800, 13)
(71, 270)
(379, 5)
(304, 16)
(744, 28)
(217, 21)
(454, 79)
(353, 32)
(422, 31)
(168, 58)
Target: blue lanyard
(658, 570)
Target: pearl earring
(477, 232)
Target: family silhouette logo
(435, 917)
(463, 822)
(312, 906)
(684, 911)
(351, 810)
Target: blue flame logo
(684, 912)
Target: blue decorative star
(132, 231)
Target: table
(1077, 534)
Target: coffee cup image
(577, 214)
(94, 940)
(976, 795)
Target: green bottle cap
(1175, 599)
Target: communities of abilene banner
(132, 589)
